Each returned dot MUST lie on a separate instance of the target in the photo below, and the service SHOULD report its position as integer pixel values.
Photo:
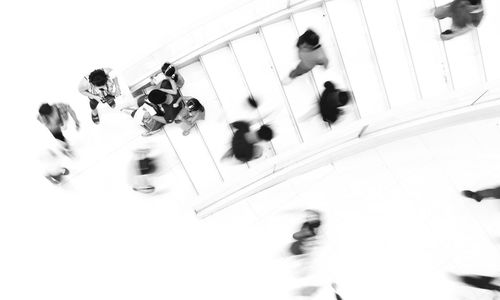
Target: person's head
(168, 69)
(193, 105)
(329, 86)
(311, 38)
(265, 133)
(45, 109)
(98, 78)
(157, 97)
(344, 98)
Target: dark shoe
(95, 118)
(472, 195)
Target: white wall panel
(265, 86)
(427, 49)
(488, 32)
(281, 38)
(361, 64)
(396, 66)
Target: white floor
(395, 226)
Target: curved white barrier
(360, 136)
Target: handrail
(191, 56)
(356, 138)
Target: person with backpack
(100, 86)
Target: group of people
(163, 102)
(164, 105)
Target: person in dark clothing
(480, 282)
(330, 102)
(244, 142)
(167, 110)
(481, 194)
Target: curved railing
(360, 136)
(403, 80)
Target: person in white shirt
(100, 86)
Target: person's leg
(110, 99)
(93, 106)
(481, 194)
(299, 70)
(442, 12)
(58, 135)
(129, 110)
(142, 184)
(257, 152)
(227, 154)
(490, 193)
(454, 32)
(186, 127)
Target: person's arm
(159, 119)
(180, 81)
(176, 103)
(84, 87)
(118, 90)
(114, 78)
(172, 90)
(73, 115)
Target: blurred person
(480, 282)
(244, 141)
(311, 290)
(100, 85)
(55, 118)
(52, 159)
(190, 114)
(308, 231)
(145, 166)
(465, 15)
(481, 194)
(167, 109)
(329, 104)
(311, 54)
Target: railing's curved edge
(183, 60)
(347, 143)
